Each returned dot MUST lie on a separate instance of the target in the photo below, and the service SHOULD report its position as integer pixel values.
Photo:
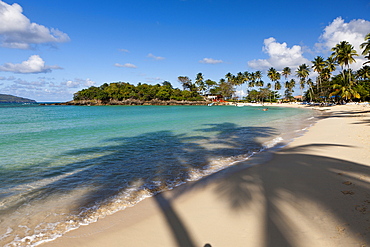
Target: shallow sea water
(65, 166)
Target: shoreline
(314, 192)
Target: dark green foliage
(122, 91)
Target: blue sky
(51, 49)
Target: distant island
(6, 98)
(122, 93)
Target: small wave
(6, 234)
(273, 142)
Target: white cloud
(89, 82)
(155, 57)
(32, 84)
(76, 83)
(38, 93)
(124, 50)
(210, 61)
(17, 31)
(34, 64)
(354, 32)
(126, 65)
(280, 56)
(45, 89)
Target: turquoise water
(65, 166)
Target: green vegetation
(346, 86)
(122, 91)
(5, 98)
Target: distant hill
(6, 98)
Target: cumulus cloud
(76, 83)
(210, 61)
(126, 65)
(354, 32)
(280, 56)
(17, 31)
(35, 64)
(155, 57)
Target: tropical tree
(258, 78)
(343, 54)
(247, 79)
(345, 88)
(330, 64)
(366, 47)
(264, 93)
(239, 79)
(364, 73)
(274, 76)
(230, 78)
(209, 85)
(186, 83)
(277, 86)
(310, 88)
(199, 83)
(252, 80)
(268, 86)
(302, 73)
(318, 65)
(290, 84)
(225, 88)
(286, 72)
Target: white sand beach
(313, 192)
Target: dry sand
(314, 192)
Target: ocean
(66, 166)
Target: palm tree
(310, 89)
(330, 64)
(239, 79)
(366, 47)
(343, 54)
(364, 72)
(230, 77)
(318, 64)
(286, 72)
(247, 79)
(268, 86)
(258, 78)
(274, 77)
(200, 83)
(277, 86)
(325, 74)
(346, 90)
(271, 74)
(289, 85)
(302, 72)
